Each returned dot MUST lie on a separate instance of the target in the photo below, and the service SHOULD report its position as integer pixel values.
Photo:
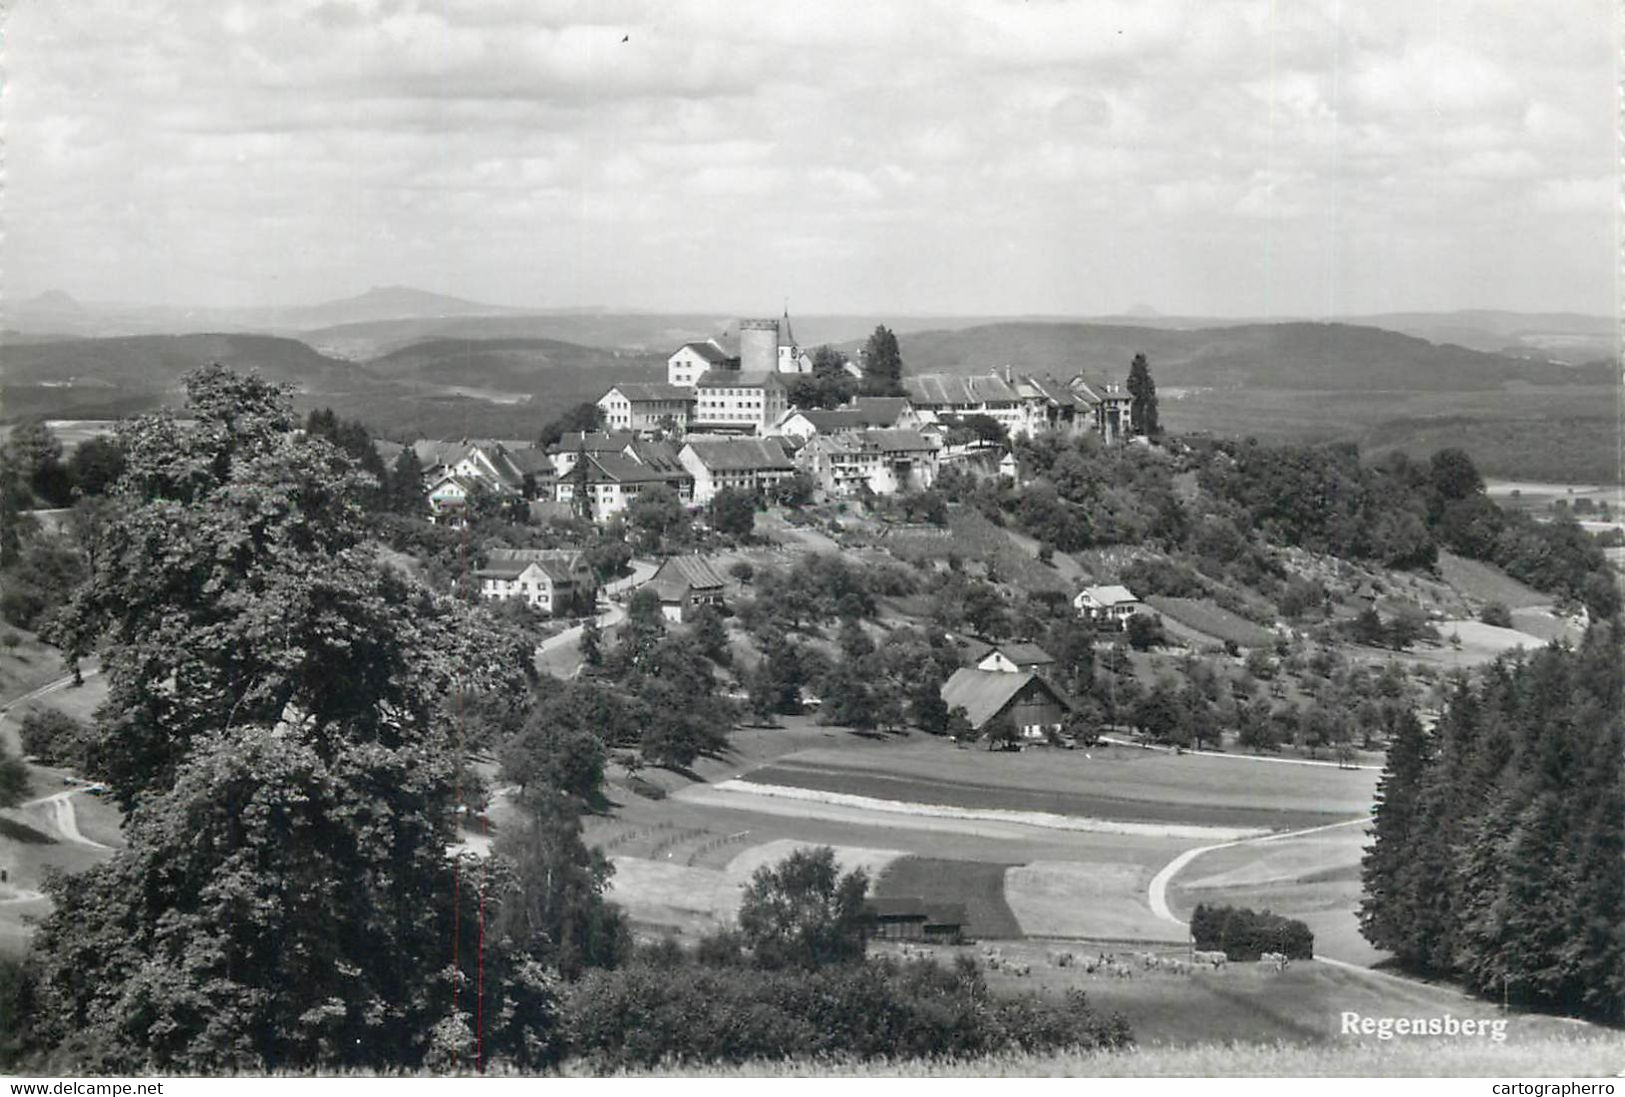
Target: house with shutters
(552, 581)
(746, 464)
(684, 583)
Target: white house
(860, 413)
(1017, 657)
(557, 581)
(746, 464)
(1107, 604)
(691, 360)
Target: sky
(1076, 157)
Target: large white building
(645, 407)
(738, 401)
(691, 360)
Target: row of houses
(725, 400)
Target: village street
(642, 572)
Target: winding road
(642, 572)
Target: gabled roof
(831, 420)
(1021, 653)
(983, 694)
(881, 411)
(648, 392)
(595, 441)
(739, 454)
(940, 390)
(1109, 595)
(681, 574)
(899, 441)
(617, 468)
(531, 460)
(712, 353)
(559, 565)
(1047, 389)
(661, 456)
(1092, 390)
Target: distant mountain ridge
(1288, 356)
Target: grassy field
(1560, 1055)
(976, 884)
(1152, 782)
(1209, 620)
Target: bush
(644, 1017)
(1244, 934)
(11, 639)
(54, 738)
(1496, 614)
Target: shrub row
(1245, 934)
(682, 1011)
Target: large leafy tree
(276, 724)
(804, 912)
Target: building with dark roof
(1033, 705)
(910, 918)
(1015, 656)
(860, 413)
(745, 464)
(556, 581)
(691, 360)
(685, 582)
(881, 461)
(645, 407)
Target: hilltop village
(728, 419)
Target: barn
(1033, 705)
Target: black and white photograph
(870, 539)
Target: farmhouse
(1112, 605)
(453, 471)
(913, 919)
(684, 582)
(883, 461)
(1016, 657)
(748, 464)
(689, 361)
(647, 407)
(557, 581)
(1032, 704)
(448, 496)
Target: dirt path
(64, 818)
(1158, 893)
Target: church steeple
(786, 338)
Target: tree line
(1498, 852)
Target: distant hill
(512, 365)
(1557, 336)
(381, 303)
(159, 362)
(1289, 356)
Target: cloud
(314, 147)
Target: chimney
(1007, 373)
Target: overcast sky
(1226, 157)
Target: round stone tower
(758, 345)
